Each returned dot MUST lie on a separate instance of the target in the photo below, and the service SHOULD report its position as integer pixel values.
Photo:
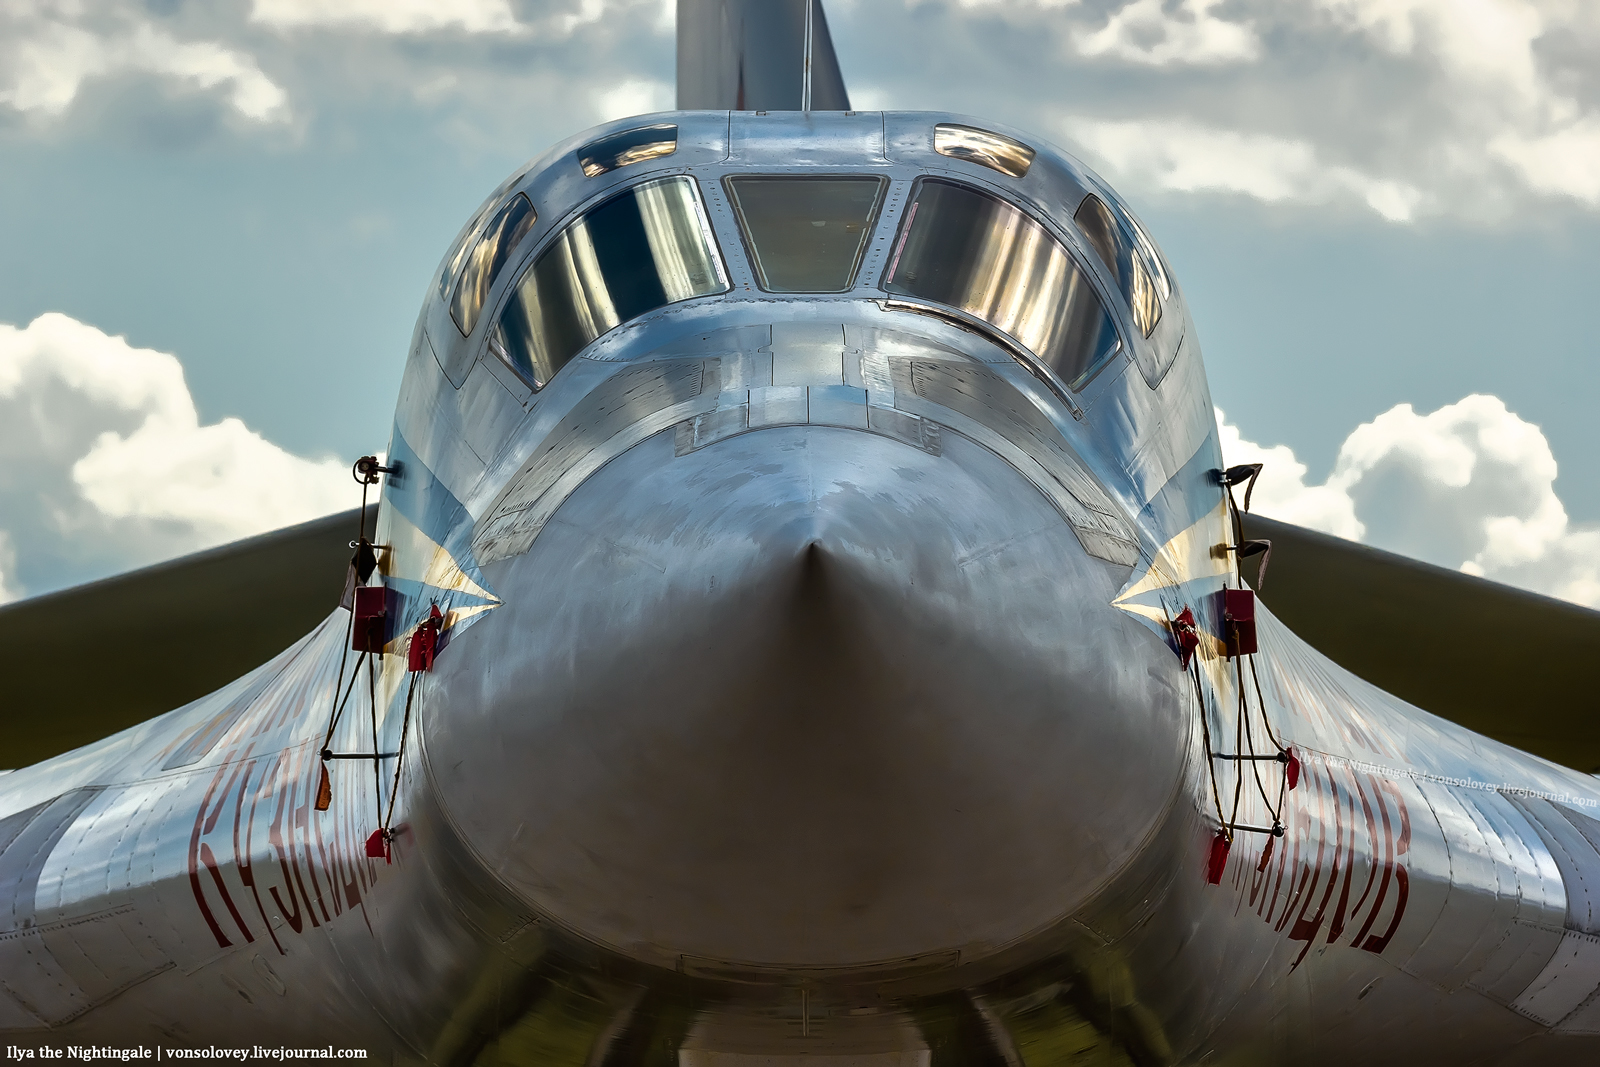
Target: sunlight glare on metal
(993, 150)
(626, 148)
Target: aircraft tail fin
(750, 55)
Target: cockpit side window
(1117, 248)
(464, 244)
(638, 251)
(987, 258)
(806, 234)
(480, 268)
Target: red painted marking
(247, 873)
(216, 875)
(1295, 893)
(290, 789)
(1372, 869)
(1277, 882)
(293, 832)
(322, 851)
(302, 821)
(1314, 869)
(1304, 929)
(210, 860)
(1388, 874)
(1315, 926)
(211, 820)
(194, 864)
(275, 835)
(1336, 927)
(1401, 876)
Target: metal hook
(367, 468)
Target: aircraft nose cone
(806, 697)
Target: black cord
(339, 706)
(377, 777)
(1262, 700)
(1255, 766)
(405, 732)
(1205, 729)
(1238, 771)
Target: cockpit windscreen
(981, 255)
(479, 270)
(1118, 250)
(638, 251)
(806, 235)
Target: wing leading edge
(84, 663)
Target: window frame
(1072, 396)
(747, 244)
(1157, 352)
(458, 286)
(1127, 263)
(559, 227)
(455, 259)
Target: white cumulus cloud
(47, 53)
(634, 97)
(1469, 486)
(389, 16)
(8, 564)
(1564, 162)
(105, 464)
(1487, 43)
(1146, 31)
(1281, 490)
(1473, 109)
(1190, 158)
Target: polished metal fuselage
(807, 693)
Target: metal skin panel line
(812, 680)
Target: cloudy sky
(217, 221)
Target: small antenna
(805, 80)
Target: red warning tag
(1218, 859)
